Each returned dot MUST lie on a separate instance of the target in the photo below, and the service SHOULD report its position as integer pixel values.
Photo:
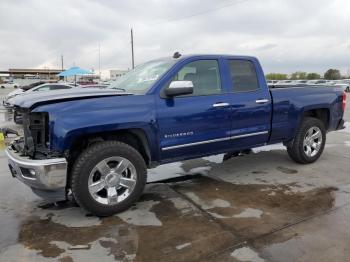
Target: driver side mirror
(177, 88)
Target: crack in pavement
(242, 241)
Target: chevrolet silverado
(97, 144)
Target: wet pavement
(256, 207)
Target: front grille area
(35, 140)
(35, 129)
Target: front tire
(309, 141)
(108, 177)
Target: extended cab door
(251, 103)
(197, 124)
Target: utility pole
(62, 62)
(99, 61)
(132, 50)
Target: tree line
(330, 74)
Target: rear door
(197, 124)
(250, 103)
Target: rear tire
(309, 141)
(100, 174)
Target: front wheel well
(135, 138)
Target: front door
(197, 124)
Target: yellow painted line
(2, 142)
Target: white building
(114, 73)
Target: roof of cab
(214, 56)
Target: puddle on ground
(255, 209)
(322, 238)
(148, 231)
(175, 221)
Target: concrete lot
(258, 207)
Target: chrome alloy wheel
(112, 180)
(312, 141)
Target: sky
(286, 35)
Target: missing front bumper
(47, 178)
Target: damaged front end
(35, 141)
(33, 162)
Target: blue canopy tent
(74, 71)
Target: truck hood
(48, 97)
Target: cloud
(285, 35)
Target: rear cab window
(243, 75)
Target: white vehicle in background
(285, 82)
(9, 85)
(322, 82)
(343, 84)
(39, 88)
(272, 82)
(301, 82)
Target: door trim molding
(214, 140)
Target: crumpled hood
(48, 97)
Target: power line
(132, 50)
(230, 3)
(200, 13)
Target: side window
(43, 88)
(205, 76)
(243, 76)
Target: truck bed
(289, 103)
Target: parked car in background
(23, 89)
(343, 84)
(30, 89)
(9, 85)
(272, 82)
(35, 84)
(321, 82)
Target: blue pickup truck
(96, 145)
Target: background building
(114, 73)
(15, 73)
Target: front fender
(73, 120)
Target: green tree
(276, 76)
(298, 75)
(312, 76)
(332, 74)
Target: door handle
(261, 101)
(220, 104)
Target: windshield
(141, 79)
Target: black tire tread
(89, 154)
(295, 151)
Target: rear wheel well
(321, 114)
